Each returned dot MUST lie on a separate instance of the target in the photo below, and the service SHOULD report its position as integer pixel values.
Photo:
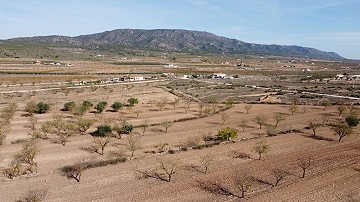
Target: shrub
(132, 101)
(352, 120)
(69, 106)
(100, 107)
(41, 108)
(102, 131)
(116, 106)
(227, 133)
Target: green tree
(116, 106)
(87, 104)
(132, 101)
(103, 131)
(352, 120)
(341, 130)
(100, 107)
(227, 133)
(41, 108)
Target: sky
(328, 25)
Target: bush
(69, 106)
(132, 101)
(116, 106)
(227, 134)
(102, 131)
(125, 129)
(87, 104)
(100, 107)
(41, 108)
(352, 120)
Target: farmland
(176, 126)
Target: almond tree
(243, 182)
(304, 164)
(278, 118)
(260, 119)
(247, 108)
(206, 161)
(279, 175)
(261, 148)
(342, 130)
(102, 142)
(167, 125)
(243, 124)
(133, 144)
(313, 125)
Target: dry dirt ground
(334, 174)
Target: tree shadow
(216, 188)
(194, 168)
(317, 137)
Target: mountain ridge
(179, 40)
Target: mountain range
(170, 40)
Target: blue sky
(329, 25)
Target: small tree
(64, 130)
(279, 175)
(201, 107)
(176, 102)
(83, 124)
(243, 182)
(69, 106)
(100, 107)
(102, 142)
(85, 106)
(74, 172)
(167, 125)
(229, 102)
(137, 112)
(224, 118)
(125, 129)
(304, 164)
(243, 124)
(247, 108)
(227, 133)
(261, 148)
(27, 155)
(313, 125)
(162, 102)
(278, 118)
(325, 103)
(206, 161)
(167, 168)
(144, 126)
(293, 108)
(133, 144)
(42, 108)
(213, 100)
(260, 119)
(116, 106)
(30, 107)
(35, 195)
(132, 101)
(352, 120)
(46, 128)
(341, 109)
(103, 131)
(341, 130)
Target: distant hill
(180, 41)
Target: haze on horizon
(330, 25)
